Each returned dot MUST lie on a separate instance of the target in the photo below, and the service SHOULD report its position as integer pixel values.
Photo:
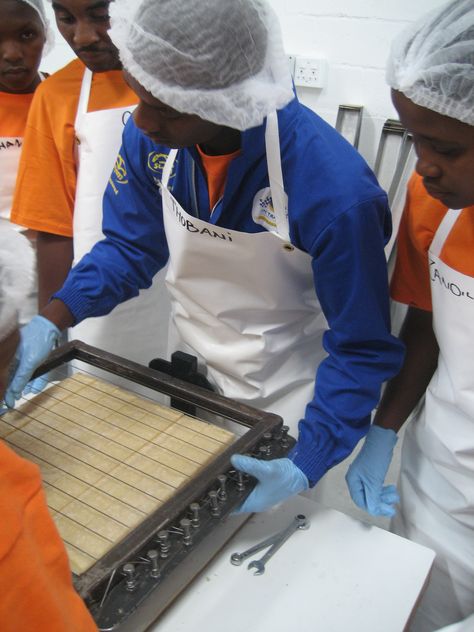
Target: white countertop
(339, 576)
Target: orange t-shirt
(216, 168)
(35, 579)
(421, 217)
(13, 114)
(46, 182)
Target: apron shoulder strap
(83, 96)
(443, 231)
(167, 169)
(275, 176)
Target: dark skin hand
(57, 312)
(405, 390)
(7, 353)
(55, 254)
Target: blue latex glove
(277, 480)
(37, 385)
(38, 339)
(366, 475)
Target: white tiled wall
(352, 35)
(61, 54)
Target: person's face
(445, 149)
(22, 38)
(84, 25)
(166, 126)
(7, 353)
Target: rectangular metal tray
(129, 598)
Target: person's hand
(366, 474)
(38, 339)
(37, 385)
(277, 480)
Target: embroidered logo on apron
(455, 289)
(191, 227)
(262, 209)
(8, 143)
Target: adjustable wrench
(274, 542)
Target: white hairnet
(220, 59)
(16, 276)
(38, 6)
(432, 61)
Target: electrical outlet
(310, 72)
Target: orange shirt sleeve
(47, 175)
(421, 217)
(35, 579)
(46, 181)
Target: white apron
(437, 473)
(10, 153)
(244, 303)
(136, 329)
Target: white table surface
(339, 576)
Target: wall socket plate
(310, 72)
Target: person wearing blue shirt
(271, 225)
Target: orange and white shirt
(421, 218)
(46, 182)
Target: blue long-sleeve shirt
(337, 213)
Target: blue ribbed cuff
(311, 463)
(75, 302)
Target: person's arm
(133, 251)
(58, 313)
(410, 286)
(46, 182)
(134, 248)
(366, 475)
(54, 255)
(352, 287)
(404, 391)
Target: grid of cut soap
(108, 458)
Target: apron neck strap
(275, 176)
(167, 169)
(443, 231)
(84, 95)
